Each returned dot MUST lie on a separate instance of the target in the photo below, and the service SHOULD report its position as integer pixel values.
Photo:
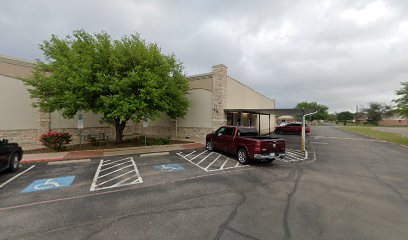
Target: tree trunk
(119, 127)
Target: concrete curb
(154, 154)
(144, 151)
(25, 161)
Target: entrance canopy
(278, 111)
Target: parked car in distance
(291, 128)
(10, 156)
(246, 144)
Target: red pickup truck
(246, 144)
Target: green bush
(158, 141)
(55, 140)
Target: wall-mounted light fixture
(215, 108)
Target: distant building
(395, 120)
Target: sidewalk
(60, 156)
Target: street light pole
(302, 146)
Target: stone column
(44, 122)
(219, 95)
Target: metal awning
(277, 111)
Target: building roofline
(252, 89)
(200, 76)
(16, 61)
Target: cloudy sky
(337, 53)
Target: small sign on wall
(80, 121)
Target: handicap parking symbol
(47, 184)
(172, 167)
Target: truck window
(220, 131)
(229, 132)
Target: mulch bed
(105, 145)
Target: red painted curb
(41, 160)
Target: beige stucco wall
(15, 105)
(200, 112)
(90, 120)
(240, 96)
(203, 82)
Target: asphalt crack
(230, 217)
(297, 171)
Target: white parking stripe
(115, 177)
(198, 155)
(222, 166)
(114, 171)
(16, 176)
(190, 153)
(110, 180)
(114, 166)
(205, 158)
(206, 168)
(219, 155)
(110, 163)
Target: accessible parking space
(209, 161)
(116, 173)
(47, 182)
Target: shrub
(55, 140)
(158, 141)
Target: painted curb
(154, 154)
(41, 160)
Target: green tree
(125, 79)
(402, 101)
(345, 116)
(322, 110)
(375, 111)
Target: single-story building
(395, 120)
(215, 98)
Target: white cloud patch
(338, 53)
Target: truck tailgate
(273, 145)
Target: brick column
(44, 122)
(219, 95)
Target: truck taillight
(257, 147)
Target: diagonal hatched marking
(114, 177)
(206, 168)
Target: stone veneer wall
(219, 95)
(194, 133)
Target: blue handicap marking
(47, 184)
(172, 167)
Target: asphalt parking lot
(349, 187)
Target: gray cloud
(338, 53)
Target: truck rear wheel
(243, 156)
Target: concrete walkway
(400, 130)
(60, 156)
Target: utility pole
(356, 115)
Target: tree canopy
(402, 101)
(125, 79)
(375, 111)
(321, 114)
(345, 116)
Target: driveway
(350, 187)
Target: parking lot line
(213, 162)
(207, 168)
(16, 176)
(198, 155)
(205, 158)
(222, 166)
(114, 174)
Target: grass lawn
(369, 132)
